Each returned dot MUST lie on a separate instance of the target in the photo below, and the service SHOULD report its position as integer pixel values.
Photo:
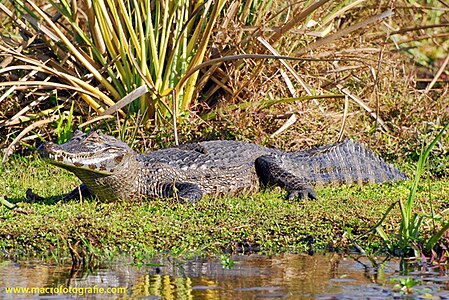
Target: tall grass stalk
(411, 221)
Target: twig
(435, 79)
(286, 125)
(362, 104)
(175, 113)
(140, 91)
(99, 118)
(8, 151)
(286, 65)
(328, 39)
(345, 117)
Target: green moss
(262, 221)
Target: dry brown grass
(387, 65)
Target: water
(288, 276)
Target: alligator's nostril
(48, 147)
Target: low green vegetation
(409, 240)
(264, 222)
(370, 70)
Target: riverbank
(262, 222)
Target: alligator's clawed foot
(188, 192)
(31, 197)
(305, 193)
(190, 197)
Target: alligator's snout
(47, 148)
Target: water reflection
(287, 276)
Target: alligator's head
(92, 152)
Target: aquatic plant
(405, 284)
(227, 262)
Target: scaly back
(345, 162)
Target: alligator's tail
(345, 162)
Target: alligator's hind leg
(270, 172)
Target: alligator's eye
(78, 133)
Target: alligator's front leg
(78, 193)
(270, 172)
(183, 190)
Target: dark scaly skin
(111, 170)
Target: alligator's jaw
(90, 152)
(103, 163)
(55, 155)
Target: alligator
(110, 170)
